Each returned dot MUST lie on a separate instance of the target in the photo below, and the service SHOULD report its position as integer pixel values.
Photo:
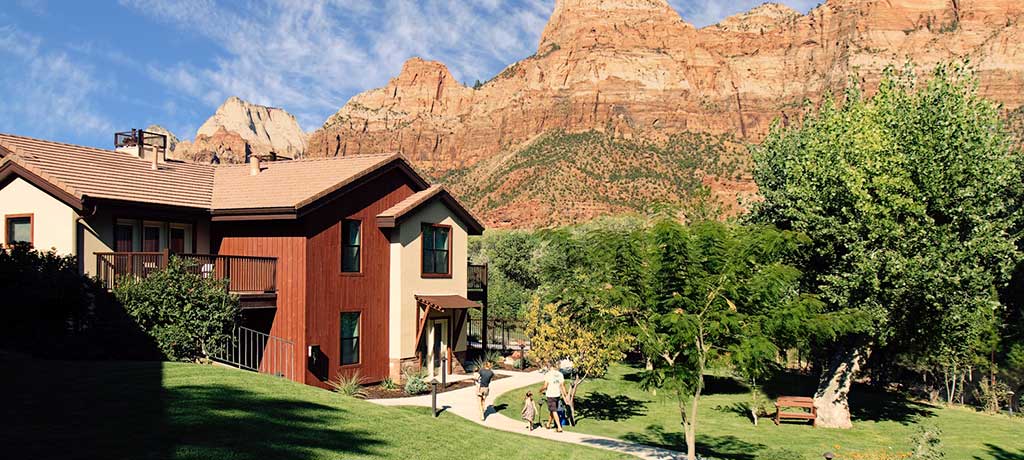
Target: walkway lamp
(433, 395)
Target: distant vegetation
(573, 177)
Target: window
(349, 338)
(351, 239)
(19, 229)
(150, 239)
(436, 253)
(123, 237)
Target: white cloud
(50, 92)
(310, 56)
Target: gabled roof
(290, 184)
(85, 171)
(286, 189)
(392, 216)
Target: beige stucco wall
(53, 222)
(407, 281)
(96, 232)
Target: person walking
(554, 389)
(529, 410)
(483, 382)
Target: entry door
(438, 346)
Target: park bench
(799, 402)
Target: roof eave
(10, 167)
(473, 226)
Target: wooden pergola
(455, 307)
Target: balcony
(253, 279)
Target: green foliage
(186, 314)
(512, 274)
(350, 385)
(388, 384)
(927, 444)
(556, 334)
(416, 382)
(571, 177)
(47, 298)
(55, 312)
(910, 199)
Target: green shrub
(350, 385)
(416, 382)
(388, 384)
(53, 311)
(186, 314)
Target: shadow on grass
(866, 403)
(98, 410)
(602, 406)
(720, 447)
(207, 420)
(999, 453)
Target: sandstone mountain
(172, 140)
(239, 126)
(634, 70)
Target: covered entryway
(440, 333)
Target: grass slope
(884, 424)
(78, 410)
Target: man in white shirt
(554, 389)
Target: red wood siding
(330, 292)
(286, 241)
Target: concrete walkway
(464, 403)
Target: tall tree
(909, 199)
(714, 288)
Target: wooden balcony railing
(245, 274)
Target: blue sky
(76, 71)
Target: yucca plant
(351, 385)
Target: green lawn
(616, 407)
(105, 410)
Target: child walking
(529, 410)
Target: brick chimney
(254, 165)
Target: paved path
(464, 403)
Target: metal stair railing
(257, 351)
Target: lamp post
(433, 395)
(444, 372)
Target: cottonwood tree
(909, 198)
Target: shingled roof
(290, 184)
(390, 217)
(86, 171)
(74, 174)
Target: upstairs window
(437, 241)
(19, 229)
(349, 338)
(351, 242)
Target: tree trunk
(753, 397)
(832, 398)
(691, 428)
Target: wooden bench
(799, 402)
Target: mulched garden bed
(377, 392)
